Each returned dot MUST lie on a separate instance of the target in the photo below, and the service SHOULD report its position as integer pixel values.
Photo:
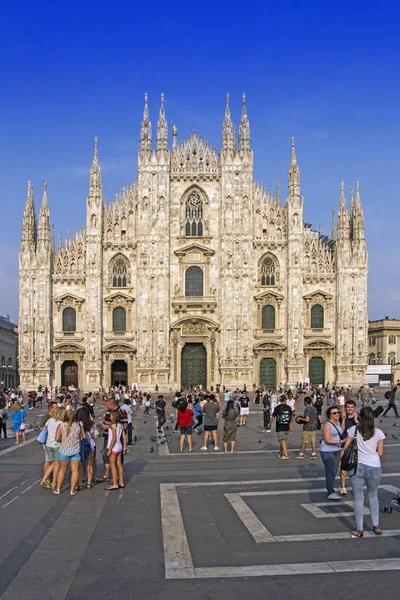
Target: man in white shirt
(126, 406)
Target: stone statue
(176, 289)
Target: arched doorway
(69, 374)
(316, 370)
(193, 366)
(119, 373)
(268, 372)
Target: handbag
(42, 437)
(349, 460)
(22, 427)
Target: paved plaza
(202, 525)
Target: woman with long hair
(85, 420)
(369, 471)
(331, 449)
(230, 415)
(52, 449)
(185, 415)
(18, 415)
(69, 434)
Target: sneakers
(216, 447)
(57, 492)
(268, 431)
(343, 492)
(283, 457)
(334, 496)
(279, 455)
(203, 448)
(263, 430)
(72, 493)
(313, 456)
(300, 455)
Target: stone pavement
(194, 526)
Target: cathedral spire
(95, 186)
(334, 227)
(244, 128)
(358, 216)
(162, 128)
(44, 216)
(294, 175)
(145, 129)
(29, 218)
(228, 129)
(343, 216)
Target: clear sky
(327, 73)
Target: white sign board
(379, 369)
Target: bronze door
(69, 374)
(193, 366)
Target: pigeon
(135, 438)
(153, 438)
(380, 421)
(394, 425)
(166, 427)
(163, 441)
(144, 421)
(395, 437)
(152, 449)
(259, 441)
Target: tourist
(331, 449)
(126, 406)
(3, 421)
(116, 445)
(230, 415)
(292, 403)
(18, 415)
(348, 418)
(198, 414)
(85, 420)
(147, 406)
(391, 402)
(160, 412)
(111, 405)
(210, 412)
(284, 425)
(51, 408)
(310, 425)
(370, 449)
(52, 448)
(244, 408)
(266, 402)
(69, 434)
(185, 423)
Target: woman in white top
(369, 471)
(116, 444)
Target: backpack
(319, 402)
(387, 395)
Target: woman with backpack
(369, 471)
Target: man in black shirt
(348, 419)
(244, 408)
(160, 412)
(284, 425)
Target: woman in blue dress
(18, 416)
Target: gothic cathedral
(193, 274)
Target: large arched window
(194, 282)
(69, 319)
(268, 317)
(119, 319)
(317, 317)
(194, 214)
(269, 272)
(119, 271)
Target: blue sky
(326, 74)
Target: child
(116, 444)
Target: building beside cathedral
(193, 274)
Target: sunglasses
(335, 412)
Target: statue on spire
(294, 175)
(95, 184)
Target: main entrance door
(317, 370)
(268, 372)
(119, 373)
(69, 374)
(193, 366)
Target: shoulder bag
(349, 460)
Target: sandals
(89, 486)
(111, 487)
(357, 534)
(377, 530)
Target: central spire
(145, 129)
(162, 128)
(228, 129)
(29, 218)
(244, 128)
(95, 185)
(294, 174)
(44, 216)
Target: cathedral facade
(193, 274)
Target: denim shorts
(186, 430)
(63, 458)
